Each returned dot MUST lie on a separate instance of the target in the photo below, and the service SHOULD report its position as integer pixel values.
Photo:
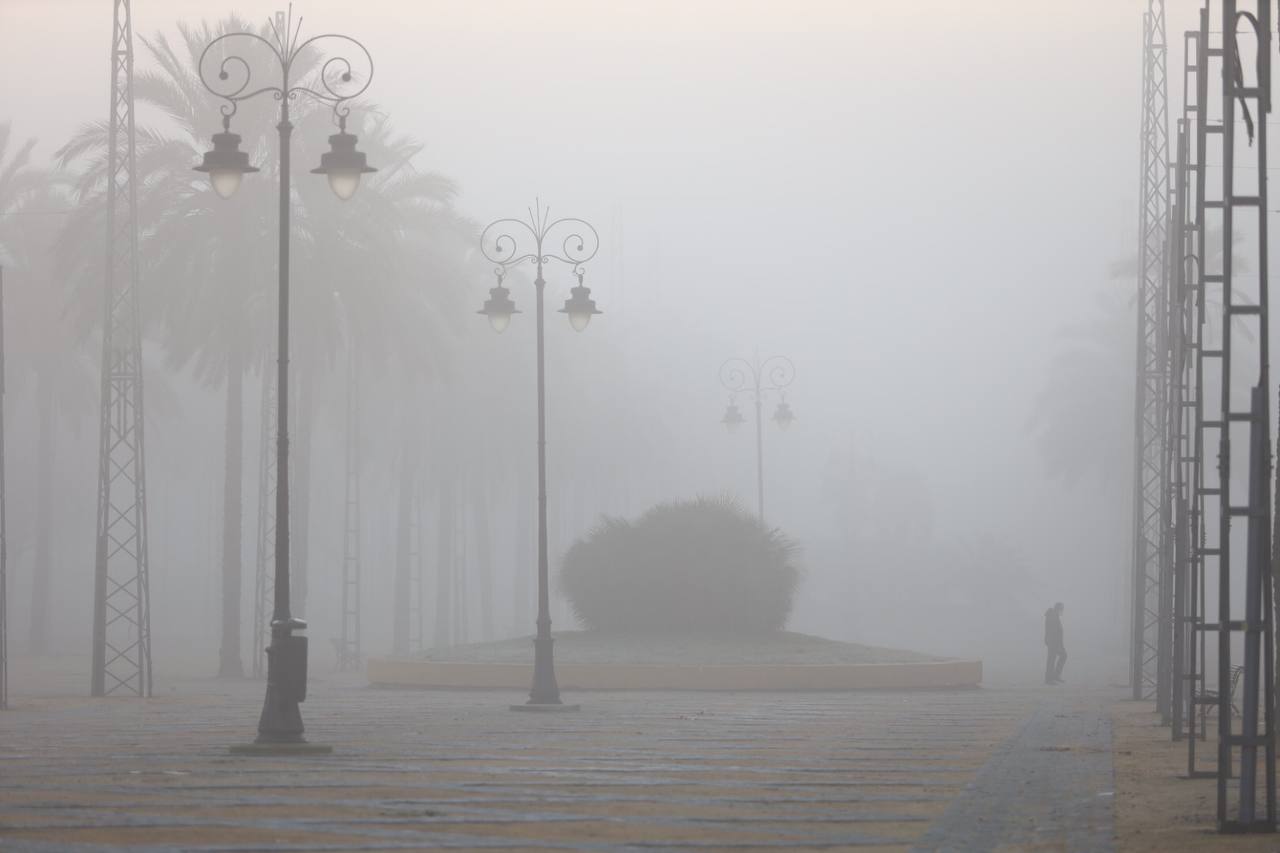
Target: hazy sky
(909, 199)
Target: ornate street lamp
(759, 377)
(280, 726)
(577, 243)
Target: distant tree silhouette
(704, 566)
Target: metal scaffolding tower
(1186, 377)
(1242, 323)
(1191, 604)
(263, 588)
(1152, 363)
(121, 600)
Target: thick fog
(930, 208)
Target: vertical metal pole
(351, 655)
(545, 690)
(281, 720)
(759, 451)
(1147, 660)
(1197, 662)
(1176, 448)
(264, 586)
(1230, 56)
(282, 613)
(4, 527)
(121, 657)
(1258, 449)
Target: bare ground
(1157, 807)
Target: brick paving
(457, 770)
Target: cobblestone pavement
(420, 770)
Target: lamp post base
(540, 707)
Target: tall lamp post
(773, 374)
(572, 242)
(230, 77)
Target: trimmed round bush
(704, 566)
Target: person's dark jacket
(1052, 628)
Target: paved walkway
(675, 771)
(1051, 786)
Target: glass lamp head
(225, 163)
(342, 163)
(499, 308)
(580, 306)
(783, 416)
(733, 418)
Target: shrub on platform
(704, 566)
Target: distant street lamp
(574, 243)
(281, 720)
(759, 377)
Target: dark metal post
(507, 249)
(759, 377)
(281, 720)
(4, 528)
(280, 724)
(759, 452)
(545, 689)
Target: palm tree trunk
(300, 508)
(404, 509)
(525, 547)
(229, 664)
(38, 637)
(444, 563)
(484, 562)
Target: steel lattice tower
(121, 600)
(1152, 361)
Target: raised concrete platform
(393, 672)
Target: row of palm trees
(383, 273)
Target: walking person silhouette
(1057, 656)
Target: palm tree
(400, 263)
(18, 181)
(206, 262)
(1083, 417)
(44, 359)
(209, 275)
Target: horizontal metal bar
(1244, 309)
